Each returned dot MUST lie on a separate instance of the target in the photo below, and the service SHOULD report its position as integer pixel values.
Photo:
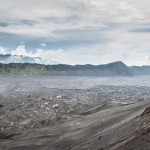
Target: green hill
(112, 69)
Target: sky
(77, 31)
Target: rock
(146, 112)
(28, 96)
(1, 105)
(56, 106)
(12, 109)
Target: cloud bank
(77, 31)
(82, 56)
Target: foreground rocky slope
(37, 115)
(138, 136)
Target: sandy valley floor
(68, 113)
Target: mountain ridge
(117, 68)
(111, 69)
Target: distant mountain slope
(142, 70)
(117, 68)
(112, 69)
(25, 65)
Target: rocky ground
(138, 136)
(42, 114)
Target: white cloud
(54, 55)
(20, 50)
(84, 55)
(3, 50)
(46, 55)
(43, 45)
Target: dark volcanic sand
(57, 113)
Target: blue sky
(77, 31)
